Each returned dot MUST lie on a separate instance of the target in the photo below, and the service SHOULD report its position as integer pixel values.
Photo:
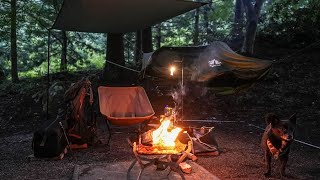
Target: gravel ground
(241, 157)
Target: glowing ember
(161, 137)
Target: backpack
(81, 118)
(49, 141)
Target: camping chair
(124, 106)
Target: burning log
(161, 140)
(146, 137)
(164, 137)
(143, 149)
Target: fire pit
(164, 151)
(162, 161)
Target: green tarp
(215, 65)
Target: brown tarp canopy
(118, 16)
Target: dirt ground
(291, 87)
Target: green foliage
(222, 18)
(296, 22)
(34, 17)
(179, 31)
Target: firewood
(186, 168)
(147, 137)
(192, 156)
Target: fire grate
(161, 158)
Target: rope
(299, 141)
(124, 67)
(133, 44)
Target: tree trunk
(206, 17)
(147, 40)
(63, 64)
(14, 54)
(115, 54)
(137, 54)
(252, 15)
(238, 21)
(158, 37)
(196, 28)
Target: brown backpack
(80, 115)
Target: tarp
(118, 16)
(125, 105)
(215, 65)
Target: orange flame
(162, 137)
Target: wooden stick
(192, 156)
(184, 155)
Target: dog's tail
(270, 117)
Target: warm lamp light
(172, 69)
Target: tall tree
(252, 16)
(64, 62)
(238, 20)
(196, 27)
(158, 36)
(137, 54)
(147, 40)
(206, 12)
(129, 46)
(115, 54)
(64, 40)
(14, 54)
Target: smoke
(187, 94)
(177, 94)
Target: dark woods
(240, 23)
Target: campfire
(161, 147)
(162, 140)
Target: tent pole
(48, 72)
(182, 89)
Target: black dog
(276, 141)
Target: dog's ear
(269, 117)
(275, 122)
(272, 119)
(293, 119)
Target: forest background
(24, 34)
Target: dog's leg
(267, 157)
(283, 166)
